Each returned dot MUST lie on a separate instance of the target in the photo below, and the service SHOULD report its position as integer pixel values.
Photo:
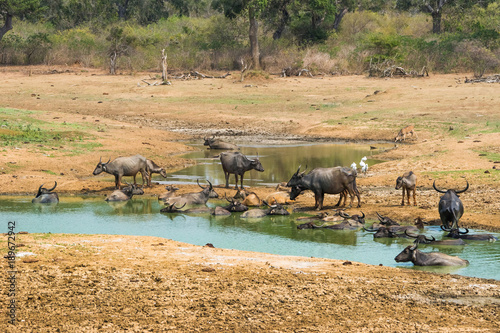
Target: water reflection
(279, 162)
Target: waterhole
(277, 234)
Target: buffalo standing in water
(450, 207)
(46, 195)
(236, 163)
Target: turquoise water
(277, 235)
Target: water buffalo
(198, 198)
(275, 209)
(355, 217)
(45, 195)
(124, 166)
(125, 193)
(387, 221)
(457, 234)
(214, 143)
(253, 200)
(385, 232)
(152, 167)
(235, 205)
(278, 197)
(308, 225)
(408, 182)
(236, 163)
(419, 258)
(324, 180)
(423, 239)
(450, 207)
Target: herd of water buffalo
(321, 181)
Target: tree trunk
(338, 18)
(7, 26)
(112, 63)
(254, 42)
(164, 65)
(436, 22)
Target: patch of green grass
(489, 155)
(50, 172)
(20, 127)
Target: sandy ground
(114, 283)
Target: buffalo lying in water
(45, 195)
(419, 258)
(423, 239)
(457, 234)
(125, 193)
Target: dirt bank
(113, 283)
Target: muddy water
(279, 162)
(278, 235)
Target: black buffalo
(450, 207)
(45, 195)
(236, 163)
(325, 180)
(124, 166)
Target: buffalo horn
(445, 229)
(39, 190)
(410, 235)
(231, 201)
(429, 239)
(199, 183)
(369, 230)
(362, 217)
(179, 207)
(465, 189)
(463, 233)
(211, 187)
(414, 247)
(440, 191)
(380, 217)
(55, 184)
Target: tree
(19, 8)
(233, 8)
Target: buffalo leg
(117, 182)
(319, 201)
(403, 199)
(236, 183)
(414, 198)
(408, 196)
(226, 174)
(241, 180)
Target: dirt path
(110, 283)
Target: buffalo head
(235, 205)
(296, 178)
(100, 167)
(408, 254)
(209, 190)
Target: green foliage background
(197, 36)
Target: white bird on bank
(364, 166)
(354, 167)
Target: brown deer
(404, 132)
